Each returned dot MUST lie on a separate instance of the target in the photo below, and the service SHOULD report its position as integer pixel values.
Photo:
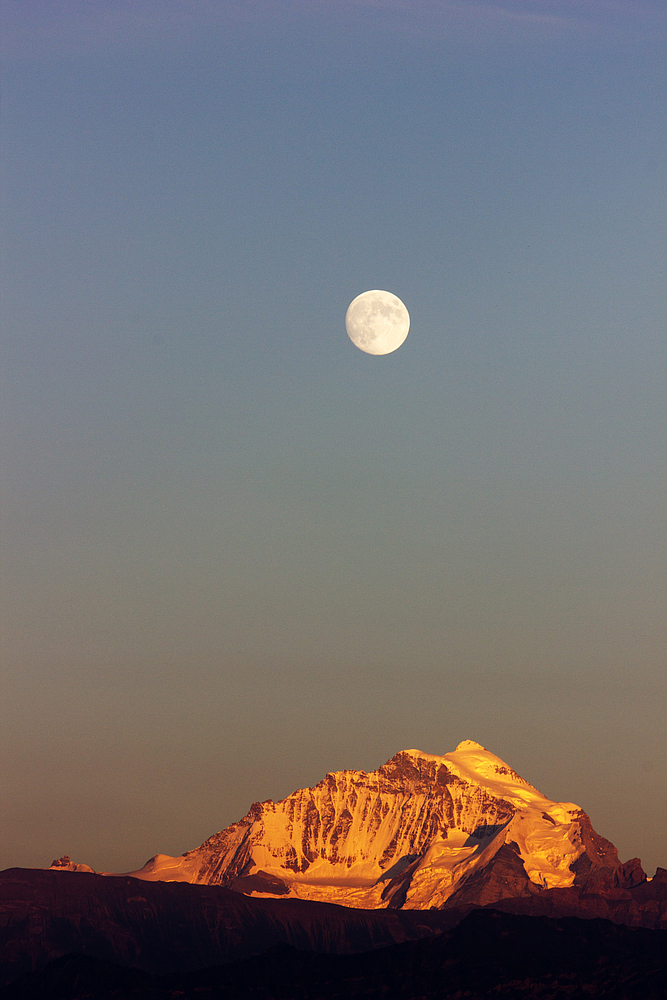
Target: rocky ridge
(422, 831)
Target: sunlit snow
(427, 819)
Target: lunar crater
(377, 322)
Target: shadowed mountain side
(505, 876)
(487, 954)
(621, 894)
(642, 905)
(167, 926)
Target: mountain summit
(422, 831)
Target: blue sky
(238, 552)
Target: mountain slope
(487, 954)
(420, 831)
(163, 927)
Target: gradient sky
(239, 553)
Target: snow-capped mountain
(422, 831)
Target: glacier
(421, 831)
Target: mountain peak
(416, 832)
(470, 745)
(65, 865)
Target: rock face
(422, 831)
(65, 865)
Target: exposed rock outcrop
(65, 865)
(422, 831)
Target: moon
(377, 322)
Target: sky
(237, 552)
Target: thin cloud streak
(76, 27)
(499, 22)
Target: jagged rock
(420, 832)
(65, 865)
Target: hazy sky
(238, 552)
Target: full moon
(377, 322)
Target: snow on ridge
(65, 865)
(470, 745)
(406, 834)
(420, 754)
(165, 868)
(473, 763)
